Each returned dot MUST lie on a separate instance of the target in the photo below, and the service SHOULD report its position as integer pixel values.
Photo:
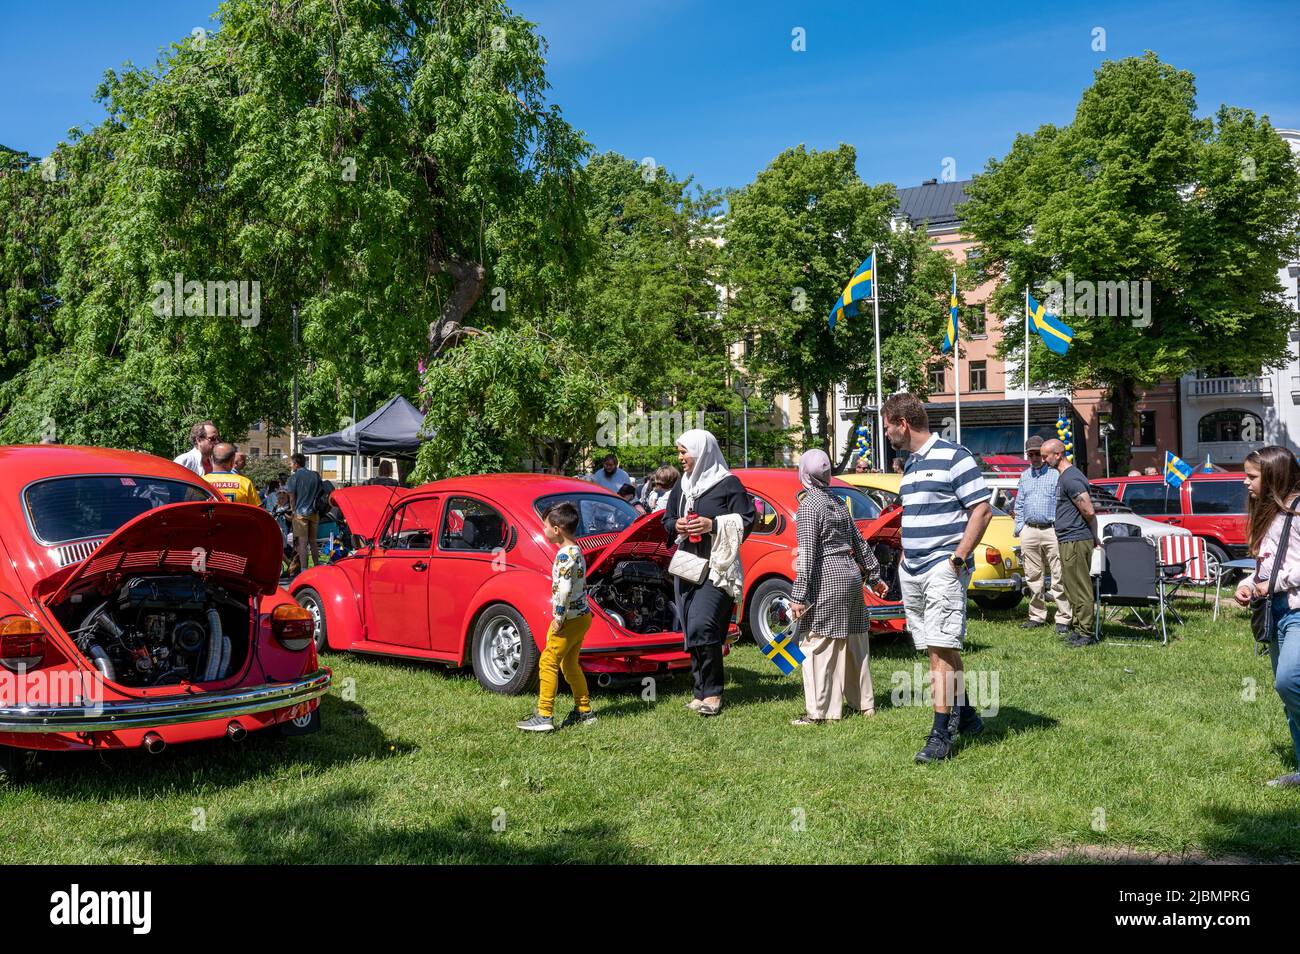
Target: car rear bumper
(164, 711)
(1006, 584)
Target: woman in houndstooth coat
(831, 567)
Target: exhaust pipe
(235, 732)
(604, 680)
(153, 743)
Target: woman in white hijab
(708, 514)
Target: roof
(27, 462)
(933, 202)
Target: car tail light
(22, 643)
(293, 626)
(992, 556)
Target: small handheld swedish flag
(950, 332)
(784, 652)
(858, 288)
(1176, 469)
(1055, 333)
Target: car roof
(23, 463)
(1156, 478)
(512, 486)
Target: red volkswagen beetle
(138, 609)
(768, 555)
(458, 571)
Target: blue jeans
(1284, 653)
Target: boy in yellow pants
(571, 619)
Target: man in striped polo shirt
(945, 512)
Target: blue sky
(715, 89)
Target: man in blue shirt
(1035, 512)
(304, 487)
(945, 512)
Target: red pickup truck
(1212, 506)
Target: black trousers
(706, 613)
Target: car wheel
(311, 601)
(1215, 557)
(503, 653)
(998, 601)
(769, 610)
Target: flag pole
(880, 416)
(956, 359)
(1026, 440)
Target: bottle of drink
(694, 537)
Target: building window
(1230, 424)
(1146, 430)
(749, 344)
(978, 376)
(938, 379)
(979, 322)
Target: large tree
(377, 165)
(1138, 188)
(794, 237)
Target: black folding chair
(1130, 578)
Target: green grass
(418, 765)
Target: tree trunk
(826, 439)
(1123, 404)
(468, 278)
(805, 419)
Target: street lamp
(745, 391)
(1106, 430)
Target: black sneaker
(536, 723)
(1082, 640)
(578, 718)
(966, 723)
(938, 746)
(1062, 629)
(1032, 624)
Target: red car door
(470, 542)
(397, 575)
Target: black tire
(311, 601)
(1215, 557)
(998, 601)
(764, 616)
(502, 651)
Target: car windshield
(597, 513)
(76, 508)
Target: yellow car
(997, 582)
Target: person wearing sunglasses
(1035, 515)
(203, 437)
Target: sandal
(708, 710)
(694, 705)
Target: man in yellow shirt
(234, 487)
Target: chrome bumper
(154, 713)
(1014, 582)
(893, 611)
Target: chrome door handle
(421, 566)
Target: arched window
(1230, 424)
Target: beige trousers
(835, 672)
(1038, 551)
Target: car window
(1108, 486)
(766, 518)
(78, 508)
(411, 526)
(1153, 499)
(1218, 496)
(473, 525)
(861, 507)
(597, 513)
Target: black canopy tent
(391, 431)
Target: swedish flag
(1054, 332)
(785, 653)
(950, 333)
(1176, 469)
(858, 288)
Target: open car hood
(240, 545)
(364, 507)
(645, 538)
(886, 527)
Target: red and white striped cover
(1180, 547)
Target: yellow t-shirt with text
(234, 487)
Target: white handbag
(688, 566)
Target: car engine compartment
(638, 595)
(161, 630)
